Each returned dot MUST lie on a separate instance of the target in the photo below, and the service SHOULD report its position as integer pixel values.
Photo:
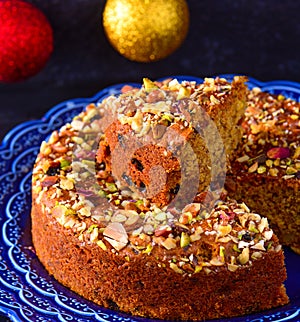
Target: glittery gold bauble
(146, 30)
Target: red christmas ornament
(26, 40)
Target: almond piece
(117, 233)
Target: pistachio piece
(149, 85)
(291, 170)
(184, 240)
(66, 184)
(176, 269)
(118, 218)
(273, 172)
(183, 92)
(197, 234)
(252, 227)
(133, 218)
(111, 187)
(278, 153)
(101, 244)
(222, 253)
(261, 169)
(148, 249)
(207, 270)
(94, 234)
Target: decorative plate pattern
(27, 292)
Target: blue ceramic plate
(27, 292)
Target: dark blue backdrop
(259, 38)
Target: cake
(108, 241)
(266, 171)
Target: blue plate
(27, 292)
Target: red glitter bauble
(26, 40)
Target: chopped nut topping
(169, 243)
(176, 269)
(256, 255)
(116, 235)
(216, 262)
(149, 85)
(224, 230)
(102, 212)
(232, 267)
(258, 246)
(184, 240)
(271, 130)
(244, 158)
(278, 153)
(243, 258)
(101, 244)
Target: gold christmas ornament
(146, 30)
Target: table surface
(259, 38)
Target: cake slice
(266, 171)
(174, 137)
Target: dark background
(259, 38)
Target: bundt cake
(98, 233)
